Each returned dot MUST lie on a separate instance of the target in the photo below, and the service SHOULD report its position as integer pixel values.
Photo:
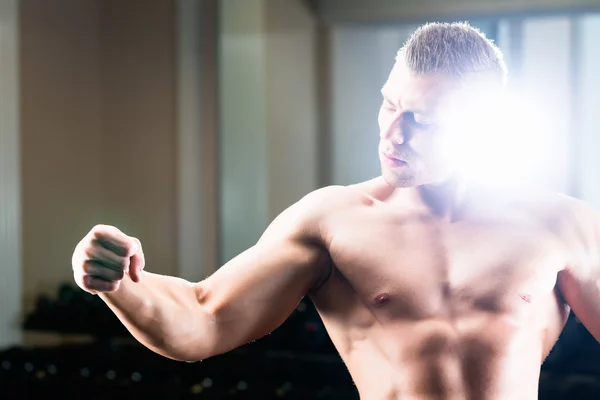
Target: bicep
(582, 294)
(256, 291)
(579, 282)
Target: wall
(267, 114)
(243, 126)
(291, 102)
(61, 136)
(197, 138)
(10, 177)
(588, 117)
(139, 124)
(546, 75)
(343, 11)
(98, 131)
(362, 58)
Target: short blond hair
(455, 49)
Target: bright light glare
(504, 140)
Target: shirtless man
(429, 287)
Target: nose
(398, 128)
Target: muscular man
(429, 286)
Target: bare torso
(420, 307)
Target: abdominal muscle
(432, 360)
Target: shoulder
(573, 222)
(578, 218)
(563, 216)
(578, 229)
(566, 212)
(547, 207)
(308, 215)
(330, 199)
(325, 196)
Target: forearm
(163, 313)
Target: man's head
(441, 71)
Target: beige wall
(267, 115)
(243, 137)
(291, 103)
(98, 130)
(139, 128)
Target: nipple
(525, 297)
(382, 299)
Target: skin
(430, 287)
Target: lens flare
(501, 139)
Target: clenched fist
(104, 256)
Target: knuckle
(87, 282)
(97, 231)
(123, 263)
(127, 250)
(91, 283)
(119, 275)
(135, 243)
(87, 267)
(102, 231)
(140, 250)
(88, 251)
(94, 270)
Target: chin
(400, 180)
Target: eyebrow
(413, 110)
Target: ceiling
(369, 11)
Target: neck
(444, 199)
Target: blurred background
(190, 124)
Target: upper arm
(256, 291)
(579, 281)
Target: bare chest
(413, 267)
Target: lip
(392, 161)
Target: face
(411, 127)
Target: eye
(388, 105)
(420, 121)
